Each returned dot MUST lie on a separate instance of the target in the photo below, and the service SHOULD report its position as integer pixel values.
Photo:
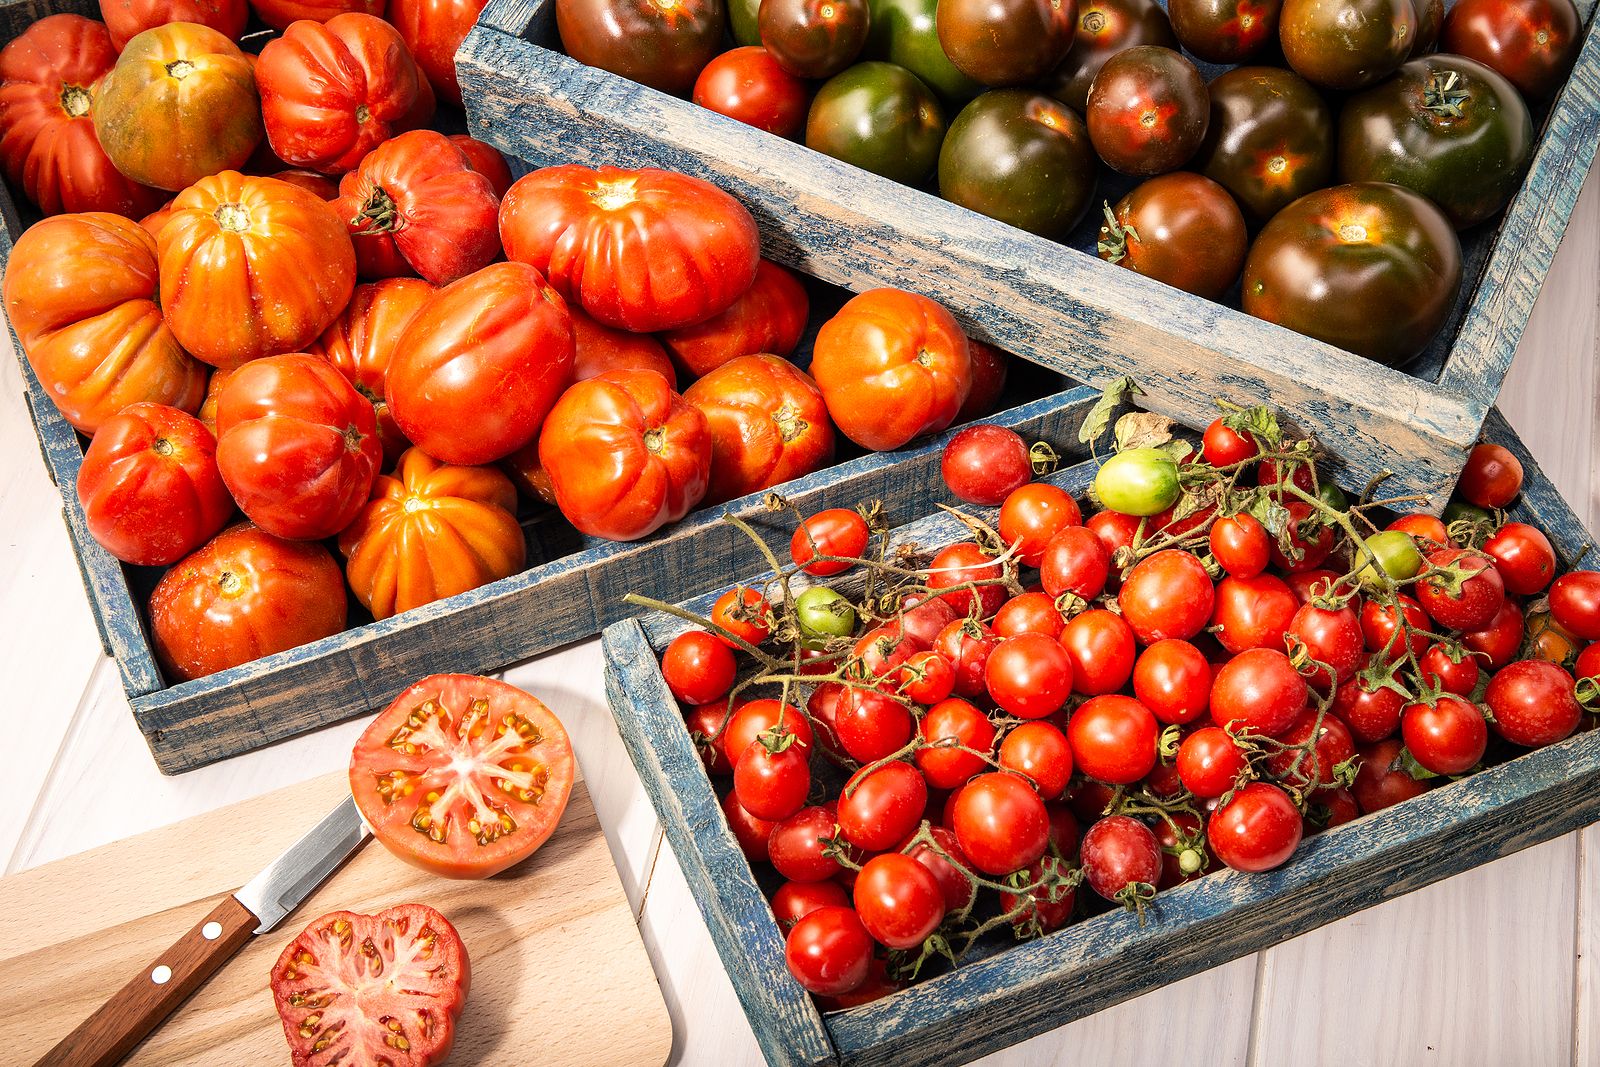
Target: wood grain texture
(106, 912)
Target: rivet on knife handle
(107, 1036)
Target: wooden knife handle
(105, 1037)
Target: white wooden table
(1495, 967)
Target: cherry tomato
(1033, 514)
(743, 612)
(1166, 595)
(1101, 647)
(1371, 714)
(698, 667)
(749, 85)
(1380, 783)
(958, 891)
(824, 616)
(705, 723)
(835, 532)
(1113, 739)
(1252, 612)
(1312, 768)
(881, 652)
(1029, 613)
(872, 725)
(1075, 561)
(751, 833)
(1498, 642)
(1447, 736)
(1452, 676)
(772, 785)
(1257, 830)
(1533, 703)
(1312, 541)
(1039, 751)
(1588, 663)
(796, 844)
(1240, 545)
(1260, 691)
(1000, 822)
(960, 564)
(1466, 602)
(899, 900)
(1173, 680)
(1332, 637)
(1422, 527)
(957, 721)
(1138, 481)
(1209, 763)
(1523, 556)
(829, 951)
(1120, 856)
(1029, 676)
(1387, 557)
(985, 464)
(967, 645)
(929, 677)
(1223, 446)
(755, 717)
(881, 806)
(1044, 908)
(924, 616)
(795, 900)
(1575, 603)
(1382, 631)
(1492, 477)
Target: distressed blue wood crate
(1021, 991)
(1090, 320)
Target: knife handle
(105, 1037)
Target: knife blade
(106, 1037)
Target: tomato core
(1148, 119)
(162, 447)
(180, 68)
(233, 217)
(613, 196)
(1094, 22)
(76, 101)
(790, 424)
(1277, 165)
(1353, 232)
(230, 583)
(353, 438)
(655, 440)
(362, 113)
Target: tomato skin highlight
(898, 900)
(828, 951)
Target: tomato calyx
(180, 69)
(1113, 244)
(1443, 96)
(790, 424)
(234, 217)
(616, 195)
(379, 213)
(76, 101)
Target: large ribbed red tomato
(279, 14)
(251, 267)
(480, 365)
(600, 348)
(768, 424)
(149, 485)
(48, 77)
(430, 531)
(126, 19)
(416, 204)
(892, 366)
(769, 317)
(361, 343)
(297, 445)
(245, 594)
(80, 291)
(332, 92)
(625, 454)
(434, 30)
(642, 250)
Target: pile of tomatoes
(377, 347)
(1326, 176)
(1223, 658)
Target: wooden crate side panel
(787, 1024)
(18, 15)
(567, 599)
(1529, 235)
(1029, 296)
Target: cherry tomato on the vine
(835, 532)
(1257, 830)
(1032, 515)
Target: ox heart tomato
(243, 595)
(279, 14)
(480, 366)
(47, 140)
(769, 318)
(431, 531)
(767, 422)
(297, 446)
(149, 485)
(625, 454)
(463, 776)
(600, 348)
(433, 30)
(81, 293)
(641, 250)
(126, 19)
(416, 204)
(892, 367)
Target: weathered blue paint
(1068, 311)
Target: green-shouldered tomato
(1106, 27)
(1270, 139)
(1020, 157)
(1346, 44)
(879, 117)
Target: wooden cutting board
(559, 975)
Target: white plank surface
(1495, 966)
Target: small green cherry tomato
(1140, 481)
(823, 615)
(1332, 496)
(1396, 552)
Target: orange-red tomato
(245, 594)
(208, 407)
(361, 343)
(416, 204)
(479, 368)
(332, 92)
(324, 187)
(279, 14)
(180, 104)
(80, 291)
(641, 250)
(892, 367)
(600, 348)
(251, 267)
(625, 454)
(434, 30)
(485, 159)
(431, 531)
(47, 141)
(768, 424)
(769, 317)
(126, 19)
(528, 474)
(989, 367)
(149, 485)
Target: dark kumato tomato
(1532, 43)
(878, 117)
(1148, 110)
(744, 22)
(1346, 44)
(1447, 127)
(1369, 267)
(1106, 27)
(1225, 31)
(1430, 20)
(662, 45)
(1270, 140)
(1179, 228)
(1006, 42)
(814, 38)
(903, 32)
(1020, 157)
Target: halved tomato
(463, 776)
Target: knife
(107, 1036)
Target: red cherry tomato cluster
(1121, 704)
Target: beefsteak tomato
(485, 159)
(767, 421)
(600, 348)
(126, 19)
(769, 317)
(434, 30)
(280, 14)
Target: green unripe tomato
(1396, 552)
(823, 615)
(1140, 481)
(1457, 510)
(1333, 496)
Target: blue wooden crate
(1024, 990)
(1090, 320)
